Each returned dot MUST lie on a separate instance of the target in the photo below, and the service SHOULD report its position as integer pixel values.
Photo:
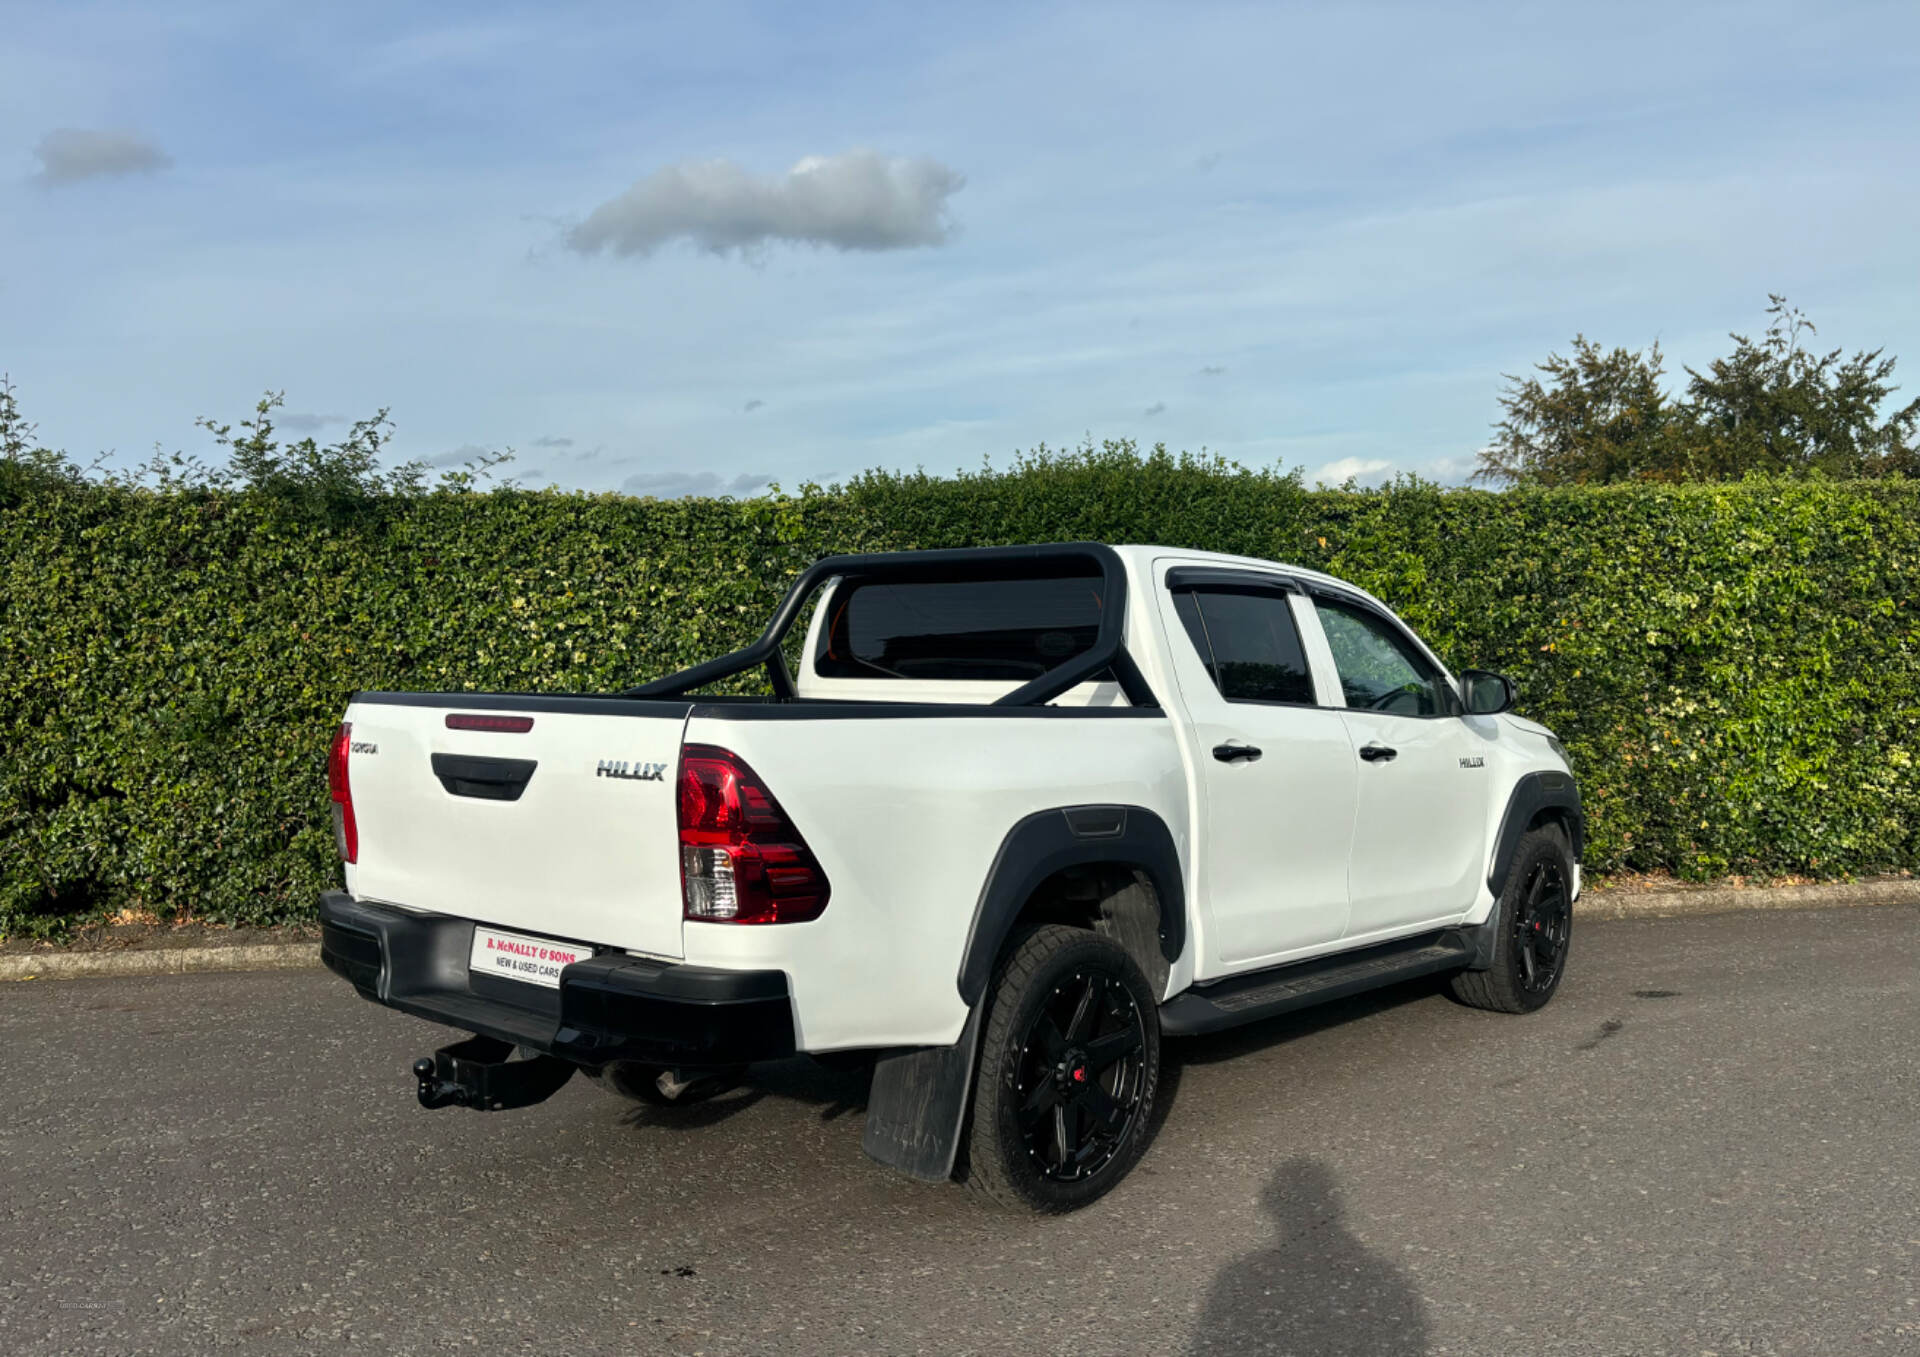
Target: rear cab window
(971, 639)
(959, 629)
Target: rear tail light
(741, 859)
(346, 833)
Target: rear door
(558, 820)
(1275, 769)
(1421, 810)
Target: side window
(1379, 668)
(1249, 644)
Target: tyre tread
(1496, 989)
(988, 1177)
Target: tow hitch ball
(433, 1091)
(481, 1073)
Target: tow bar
(481, 1073)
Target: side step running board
(1261, 994)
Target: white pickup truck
(1009, 818)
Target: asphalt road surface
(1708, 1144)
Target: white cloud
(680, 484)
(860, 200)
(303, 423)
(553, 441)
(1157, 408)
(1351, 468)
(69, 154)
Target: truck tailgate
(565, 828)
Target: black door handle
(1233, 752)
(1378, 753)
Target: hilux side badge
(1475, 762)
(633, 772)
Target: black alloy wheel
(1065, 1086)
(1541, 927)
(1532, 929)
(1081, 1076)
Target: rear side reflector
(500, 725)
(346, 831)
(741, 859)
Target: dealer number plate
(517, 956)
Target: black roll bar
(1109, 648)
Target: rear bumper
(613, 1007)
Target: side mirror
(1487, 693)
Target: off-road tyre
(1068, 1072)
(1533, 929)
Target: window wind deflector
(1220, 577)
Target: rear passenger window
(1249, 644)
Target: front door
(1275, 770)
(1420, 822)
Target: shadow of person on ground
(1315, 1290)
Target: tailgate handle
(487, 779)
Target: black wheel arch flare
(1050, 841)
(1535, 792)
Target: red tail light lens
(741, 859)
(346, 833)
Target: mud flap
(1480, 939)
(918, 1106)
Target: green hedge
(1736, 668)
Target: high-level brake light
(499, 725)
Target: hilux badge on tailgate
(633, 772)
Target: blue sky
(1305, 235)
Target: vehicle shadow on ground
(836, 1092)
(1315, 1288)
(840, 1091)
(1271, 1032)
